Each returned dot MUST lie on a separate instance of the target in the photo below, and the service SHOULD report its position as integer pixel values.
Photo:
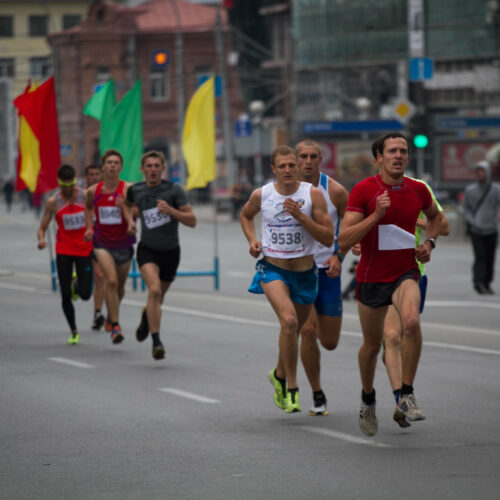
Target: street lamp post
(257, 109)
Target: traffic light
(159, 59)
(420, 141)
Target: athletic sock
(114, 324)
(396, 394)
(406, 389)
(156, 338)
(319, 395)
(368, 399)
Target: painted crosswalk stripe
(188, 395)
(70, 362)
(345, 437)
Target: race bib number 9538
(72, 222)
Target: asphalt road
(98, 421)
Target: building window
(103, 75)
(7, 68)
(6, 29)
(70, 20)
(38, 25)
(159, 85)
(40, 67)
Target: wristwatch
(340, 255)
(432, 241)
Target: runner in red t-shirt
(113, 247)
(382, 213)
(67, 206)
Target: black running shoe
(158, 351)
(142, 331)
(98, 322)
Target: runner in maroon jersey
(113, 246)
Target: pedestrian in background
(481, 212)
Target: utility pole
(179, 67)
(226, 120)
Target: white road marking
(188, 395)
(19, 288)
(77, 364)
(345, 437)
(465, 348)
(462, 303)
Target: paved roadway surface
(97, 421)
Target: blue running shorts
(329, 300)
(303, 285)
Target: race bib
(110, 215)
(287, 239)
(153, 218)
(72, 222)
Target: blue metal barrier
(135, 274)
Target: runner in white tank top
(294, 214)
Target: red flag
(39, 110)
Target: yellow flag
(198, 138)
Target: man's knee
(370, 349)
(392, 338)
(309, 333)
(289, 324)
(154, 291)
(411, 326)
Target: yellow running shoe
(74, 338)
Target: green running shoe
(292, 401)
(74, 338)
(158, 351)
(279, 389)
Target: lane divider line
(70, 362)
(188, 395)
(346, 437)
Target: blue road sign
(421, 68)
(243, 128)
(355, 126)
(459, 122)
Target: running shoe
(292, 401)
(97, 322)
(158, 351)
(279, 389)
(367, 419)
(399, 417)
(319, 407)
(74, 295)
(142, 331)
(107, 324)
(408, 406)
(117, 335)
(74, 338)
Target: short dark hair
(92, 167)
(112, 152)
(282, 151)
(376, 147)
(308, 142)
(154, 154)
(66, 172)
(391, 135)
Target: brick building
(119, 42)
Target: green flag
(126, 126)
(121, 126)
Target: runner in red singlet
(113, 247)
(68, 208)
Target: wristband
(432, 241)
(340, 255)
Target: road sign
(354, 126)
(421, 68)
(243, 128)
(403, 109)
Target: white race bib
(110, 215)
(153, 218)
(287, 239)
(72, 222)
(392, 237)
